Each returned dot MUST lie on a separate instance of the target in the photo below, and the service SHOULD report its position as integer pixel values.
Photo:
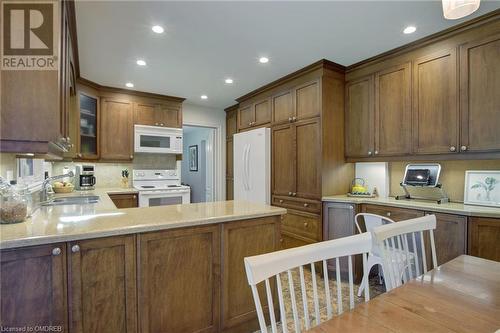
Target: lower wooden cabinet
(179, 280)
(450, 237)
(102, 285)
(484, 238)
(239, 240)
(394, 213)
(33, 287)
(125, 200)
(303, 224)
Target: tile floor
(375, 289)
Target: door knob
(56, 251)
(75, 248)
(463, 148)
(453, 148)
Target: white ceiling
(205, 42)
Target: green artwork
(488, 185)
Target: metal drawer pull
(388, 214)
(463, 148)
(453, 148)
(306, 224)
(294, 194)
(75, 248)
(56, 251)
(306, 205)
(281, 200)
(290, 193)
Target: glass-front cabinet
(87, 140)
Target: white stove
(160, 188)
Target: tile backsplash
(452, 175)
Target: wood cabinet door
(169, 116)
(116, 129)
(450, 237)
(480, 97)
(125, 200)
(393, 111)
(33, 287)
(229, 159)
(308, 159)
(246, 116)
(243, 239)
(435, 107)
(283, 159)
(303, 224)
(231, 124)
(484, 234)
(145, 114)
(179, 280)
(262, 111)
(282, 107)
(307, 100)
(102, 277)
(359, 118)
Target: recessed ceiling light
(141, 62)
(263, 60)
(158, 29)
(203, 96)
(228, 80)
(409, 29)
(129, 84)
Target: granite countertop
(52, 224)
(451, 208)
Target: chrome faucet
(44, 196)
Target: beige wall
(452, 175)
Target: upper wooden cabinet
(157, 115)
(102, 285)
(435, 103)
(88, 121)
(392, 126)
(359, 117)
(254, 114)
(116, 129)
(283, 107)
(301, 102)
(33, 287)
(480, 97)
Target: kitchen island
(96, 268)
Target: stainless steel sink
(73, 200)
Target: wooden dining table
(462, 295)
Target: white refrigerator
(252, 165)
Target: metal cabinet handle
(463, 148)
(156, 124)
(453, 148)
(131, 157)
(290, 193)
(281, 200)
(289, 119)
(294, 194)
(56, 251)
(306, 205)
(306, 224)
(294, 118)
(162, 124)
(388, 214)
(281, 240)
(75, 248)
(376, 152)
(369, 153)
(134, 196)
(79, 155)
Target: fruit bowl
(65, 188)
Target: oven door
(152, 139)
(163, 198)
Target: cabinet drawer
(394, 213)
(300, 204)
(287, 241)
(303, 224)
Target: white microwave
(158, 140)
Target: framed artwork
(193, 158)
(482, 187)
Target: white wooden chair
(400, 241)
(263, 268)
(374, 258)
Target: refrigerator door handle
(245, 184)
(248, 167)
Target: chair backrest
(404, 246)
(262, 268)
(371, 221)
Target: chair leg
(362, 286)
